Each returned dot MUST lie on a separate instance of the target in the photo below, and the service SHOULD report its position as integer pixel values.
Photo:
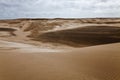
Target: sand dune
(60, 49)
(83, 36)
(92, 63)
(20, 47)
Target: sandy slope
(91, 63)
(22, 59)
(21, 47)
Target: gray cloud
(59, 8)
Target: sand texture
(60, 49)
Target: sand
(21, 47)
(94, 55)
(91, 63)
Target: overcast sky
(59, 8)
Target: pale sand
(6, 46)
(91, 63)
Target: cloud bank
(59, 8)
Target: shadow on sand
(83, 37)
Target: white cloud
(59, 8)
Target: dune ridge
(69, 32)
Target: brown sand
(23, 58)
(92, 63)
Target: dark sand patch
(84, 36)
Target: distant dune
(70, 32)
(83, 36)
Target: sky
(10, 9)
